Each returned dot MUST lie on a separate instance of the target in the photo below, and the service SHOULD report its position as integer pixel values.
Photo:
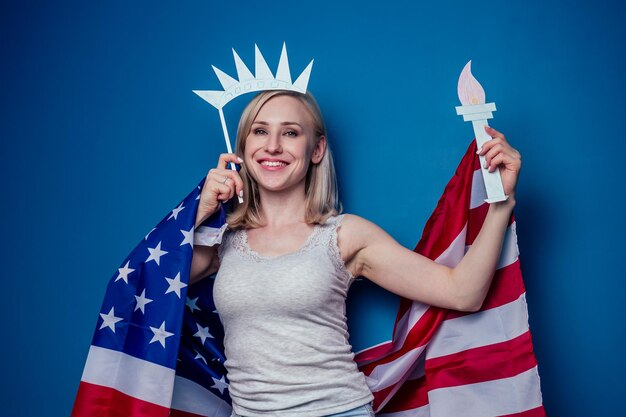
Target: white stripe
(510, 251)
(479, 194)
(208, 236)
(140, 379)
(487, 399)
(388, 374)
(194, 398)
(423, 411)
(406, 323)
(480, 329)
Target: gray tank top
(286, 338)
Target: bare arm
(408, 274)
(203, 263)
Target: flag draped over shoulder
(158, 344)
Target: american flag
(443, 363)
(158, 351)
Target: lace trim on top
(333, 247)
(238, 240)
(240, 243)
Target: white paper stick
(493, 182)
(228, 147)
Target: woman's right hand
(220, 186)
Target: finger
(495, 161)
(494, 133)
(494, 150)
(225, 158)
(488, 145)
(237, 181)
(224, 192)
(220, 176)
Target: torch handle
(228, 147)
(493, 182)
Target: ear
(319, 150)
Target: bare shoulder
(357, 227)
(356, 233)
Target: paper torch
(474, 109)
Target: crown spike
(282, 73)
(243, 73)
(226, 80)
(211, 97)
(261, 70)
(303, 79)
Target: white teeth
(273, 163)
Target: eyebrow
(261, 122)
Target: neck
(281, 208)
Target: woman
(287, 261)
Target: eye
(291, 133)
(259, 131)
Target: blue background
(101, 136)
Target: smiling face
(281, 145)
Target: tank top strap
(328, 238)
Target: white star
(220, 384)
(160, 334)
(188, 237)
(109, 320)
(199, 356)
(124, 271)
(203, 333)
(146, 238)
(175, 285)
(141, 302)
(192, 304)
(155, 254)
(176, 211)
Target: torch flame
(470, 90)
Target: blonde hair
(322, 200)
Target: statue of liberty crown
(260, 81)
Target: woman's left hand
(499, 154)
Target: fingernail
(479, 150)
(239, 159)
(241, 193)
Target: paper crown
(262, 79)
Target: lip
(272, 168)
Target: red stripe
(507, 286)
(486, 363)
(475, 221)
(412, 394)
(98, 401)
(375, 352)
(380, 397)
(450, 215)
(535, 412)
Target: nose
(273, 145)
